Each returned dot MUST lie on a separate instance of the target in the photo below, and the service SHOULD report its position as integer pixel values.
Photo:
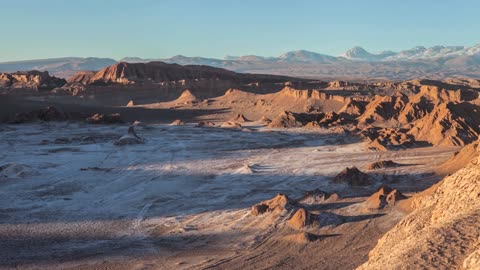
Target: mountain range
(434, 62)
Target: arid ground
(182, 199)
(163, 166)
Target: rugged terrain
(163, 166)
(73, 198)
(441, 232)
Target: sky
(34, 29)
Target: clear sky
(34, 29)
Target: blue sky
(33, 29)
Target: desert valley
(239, 135)
(163, 166)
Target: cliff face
(170, 80)
(442, 231)
(30, 80)
(159, 72)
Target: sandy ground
(181, 200)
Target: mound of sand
(353, 177)
(48, 114)
(300, 219)
(177, 122)
(278, 204)
(130, 138)
(105, 119)
(205, 124)
(230, 124)
(239, 118)
(384, 197)
(382, 164)
(186, 98)
(441, 232)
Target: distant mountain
(416, 53)
(59, 67)
(435, 62)
(307, 56)
(178, 59)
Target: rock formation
(205, 124)
(459, 159)
(300, 219)
(353, 177)
(288, 119)
(441, 232)
(278, 204)
(29, 80)
(265, 120)
(382, 164)
(230, 124)
(130, 138)
(171, 79)
(177, 122)
(186, 98)
(105, 119)
(239, 118)
(48, 114)
(384, 197)
(318, 196)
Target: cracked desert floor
(71, 199)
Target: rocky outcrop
(105, 119)
(382, 164)
(265, 120)
(285, 120)
(230, 124)
(288, 119)
(205, 124)
(48, 114)
(384, 197)
(82, 77)
(383, 139)
(318, 196)
(435, 114)
(441, 232)
(278, 204)
(159, 72)
(300, 219)
(239, 118)
(29, 80)
(130, 138)
(449, 124)
(177, 122)
(186, 98)
(353, 177)
(459, 159)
